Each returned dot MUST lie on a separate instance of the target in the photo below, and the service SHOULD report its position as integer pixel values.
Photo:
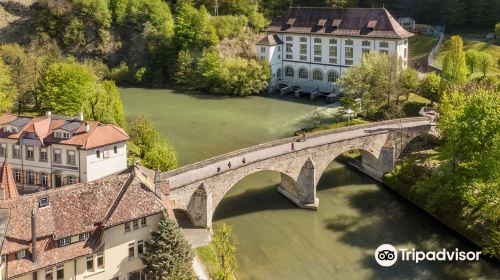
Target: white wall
(96, 168)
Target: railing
(282, 141)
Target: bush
(229, 26)
(243, 77)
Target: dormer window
(62, 135)
(84, 236)
(321, 23)
(371, 24)
(21, 254)
(290, 21)
(10, 129)
(336, 23)
(64, 242)
(43, 201)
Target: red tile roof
(86, 207)
(8, 189)
(270, 40)
(341, 22)
(97, 135)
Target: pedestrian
(218, 168)
(244, 160)
(293, 146)
(229, 164)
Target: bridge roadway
(197, 188)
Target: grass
(420, 46)
(332, 126)
(491, 46)
(207, 256)
(414, 104)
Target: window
(262, 49)
(140, 248)
(303, 49)
(348, 62)
(84, 236)
(303, 57)
(383, 44)
(289, 72)
(131, 251)
(279, 56)
(365, 43)
(98, 154)
(333, 51)
(365, 51)
(43, 201)
(57, 156)
(31, 177)
(333, 76)
(332, 60)
(90, 263)
(60, 272)
(21, 254)
(279, 48)
(71, 179)
(278, 74)
(115, 149)
(333, 41)
(349, 42)
(16, 151)
(64, 242)
(105, 153)
(143, 222)
(136, 275)
(17, 176)
(135, 224)
(288, 38)
(100, 261)
(317, 49)
(262, 57)
(317, 75)
(289, 47)
(43, 154)
(44, 179)
(303, 39)
(48, 273)
(3, 150)
(289, 56)
(30, 153)
(384, 51)
(317, 40)
(303, 74)
(71, 158)
(349, 52)
(317, 59)
(127, 226)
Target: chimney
(33, 235)
(48, 113)
(87, 127)
(80, 116)
(158, 183)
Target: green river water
(275, 239)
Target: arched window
(278, 73)
(289, 72)
(333, 76)
(303, 74)
(318, 75)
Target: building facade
(53, 151)
(312, 47)
(95, 230)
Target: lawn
(420, 45)
(491, 46)
(207, 256)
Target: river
(275, 239)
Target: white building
(312, 47)
(53, 151)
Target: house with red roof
(53, 151)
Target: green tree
(454, 72)
(74, 33)
(484, 61)
(185, 71)
(105, 104)
(410, 81)
(7, 93)
(225, 250)
(193, 28)
(209, 69)
(429, 87)
(168, 256)
(471, 57)
(153, 150)
(497, 29)
(242, 77)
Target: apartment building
(312, 47)
(94, 231)
(52, 151)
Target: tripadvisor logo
(387, 255)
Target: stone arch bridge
(197, 189)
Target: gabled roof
(270, 40)
(341, 22)
(8, 189)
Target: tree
(154, 150)
(242, 77)
(454, 72)
(225, 249)
(193, 28)
(185, 71)
(168, 256)
(209, 69)
(484, 61)
(429, 87)
(105, 104)
(7, 94)
(410, 81)
(471, 57)
(497, 29)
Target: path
(198, 269)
